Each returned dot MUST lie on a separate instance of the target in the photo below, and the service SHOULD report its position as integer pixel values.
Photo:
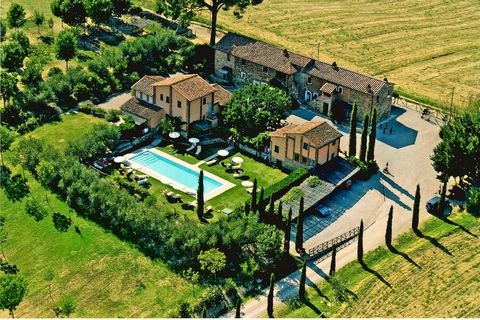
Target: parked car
(323, 210)
(432, 205)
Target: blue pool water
(174, 171)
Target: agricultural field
(445, 285)
(426, 48)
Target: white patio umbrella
(194, 140)
(222, 153)
(174, 135)
(119, 159)
(247, 184)
(237, 160)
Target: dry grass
(425, 47)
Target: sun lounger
(190, 148)
(235, 167)
(212, 162)
(142, 181)
(176, 196)
(192, 204)
(237, 175)
(209, 208)
(199, 149)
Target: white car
(322, 210)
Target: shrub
(313, 181)
(473, 201)
(112, 115)
(372, 167)
(35, 209)
(293, 195)
(61, 222)
(213, 296)
(89, 108)
(277, 190)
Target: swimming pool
(175, 171)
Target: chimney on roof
(385, 79)
(285, 53)
(334, 65)
(369, 88)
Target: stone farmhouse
(187, 96)
(327, 88)
(311, 144)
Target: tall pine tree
(238, 308)
(352, 143)
(416, 210)
(270, 296)
(200, 200)
(299, 235)
(363, 141)
(271, 211)
(360, 243)
(388, 232)
(372, 137)
(261, 205)
(279, 216)
(333, 262)
(303, 279)
(253, 206)
(286, 243)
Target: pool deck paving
(407, 151)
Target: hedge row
(277, 190)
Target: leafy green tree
(121, 7)
(73, 12)
(55, 8)
(16, 188)
(254, 109)
(186, 10)
(12, 55)
(16, 16)
(38, 19)
(416, 210)
(303, 280)
(299, 235)
(61, 222)
(6, 137)
(363, 141)
(458, 153)
(388, 233)
(13, 289)
(473, 201)
(21, 38)
(270, 296)
(212, 260)
(65, 308)
(238, 307)
(200, 198)
(286, 243)
(100, 11)
(35, 209)
(193, 277)
(8, 86)
(352, 143)
(372, 137)
(3, 30)
(268, 246)
(66, 46)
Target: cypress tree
(416, 210)
(200, 200)
(360, 243)
(237, 310)
(388, 233)
(271, 211)
(363, 142)
(443, 195)
(352, 144)
(246, 209)
(303, 279)
(286, 243)
(253, 206)
(204, 312)
(333, 261)
(372, 137)
(270, 296)
(279, 217)
(261, 205)
(299, 235)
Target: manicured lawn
(264, 174)
(445, 286)
(188, 157)
(106, 277)
(59, 134)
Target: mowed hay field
(426, 47)
(445, 285)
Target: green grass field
(425, 47)
(59, 134)
(445, 286)
(105, 276)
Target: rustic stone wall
(221, 60)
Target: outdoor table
(247, 184)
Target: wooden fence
(322, 250)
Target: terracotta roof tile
(328, 88)
(222, 95)
(193, 88)
(346, 78)
(319, 133)
(145, 84)
(174, 79)
(140, 108)
(262, 53)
